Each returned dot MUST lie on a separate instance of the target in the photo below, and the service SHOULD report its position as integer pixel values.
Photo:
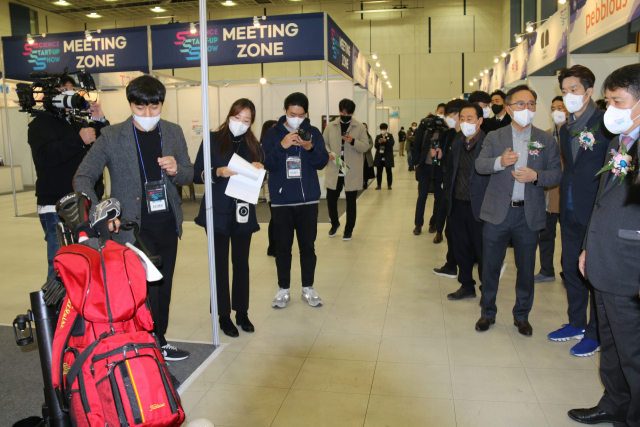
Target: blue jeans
(49, 222)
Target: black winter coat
(389, 161)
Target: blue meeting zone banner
(237, 41)
(340, 48)
(123, 49)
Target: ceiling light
(475, 80)
(228, 3)
(256, 20)
(61, 3)
(470, 83)
(486, 71)
(481, 74)
(384, 71)
(158, 9)
(385, 76)
(495, 59)
(374, 55)
(390, 86)
(518, 38)
(29, 39)
(192, 28)
(562, 1)
(377, 63)
(529, 28)
(263, 80)
(87, 35)
(94, 15)
(503, 54)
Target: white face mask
(440, 115)
(618, 120)
(573, 102)
(294, 122)
(237, 128)
(414, 127)
(559, 117)
(384, 132)
(468, 129)
(69, 92)
(486, 112)
(524, 117)
(450, 122)
(147, 123)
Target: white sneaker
(311, 297)
(281, 299)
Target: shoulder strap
(76, 367)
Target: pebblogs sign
(340, 48)
(591, 19)
(123, 49)
(237, 41)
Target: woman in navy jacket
(233, 136)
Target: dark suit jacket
(613, 235)
(492, 123)
(581, 173)
(388, 151)
(497, 199)
(479, 183)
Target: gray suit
(518, 224)
(116, 149)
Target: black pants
(161, 239)
(619, 325)
(240, 260)
(332, 203)
(424, 180)
(547, 245)
(303, 220)
(389, 174)
(451, 263)
(579, 291)
(467, 242)
(495, 241)
(271, 249)
(441, 214)
(438, 178)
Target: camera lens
(244, 211)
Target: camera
(242, 212)
(304, 134)
(46, 92)
(433, 123)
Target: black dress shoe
(432, 228)
(593, 415)
(417, 231)
(228, 327)
(484, 323)
(378, 187)
(461, 294)
(438, 238)
(524, 327)
(243, 321)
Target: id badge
(156, 195)
(294, 167)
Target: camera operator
(293, 163)
(384, 155)
(437, 172)
(58, 146)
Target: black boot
(242, 320)
(227, 326)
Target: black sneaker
(378, 187)
(446, 272)
(347, 235)
(171, 352)
(389, 188)
(333, 231)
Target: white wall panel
(546, 88)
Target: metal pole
(149, 51)
(6, 118)
(326, 66)
(206, 145)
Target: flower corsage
(621, 164)
(534, 148)
(586, 138)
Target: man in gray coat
(346, 138)
(522, 160)
(146, 157)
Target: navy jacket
(581, 173)
(224, 207)
(301, 191)
(389, 160)
(479, 183)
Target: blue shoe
(566, 333)
(585, 348)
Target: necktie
(626, 140)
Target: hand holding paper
(248, 181)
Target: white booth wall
(20, 149)
(602, 64)
(546, 88)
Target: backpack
(107, 367)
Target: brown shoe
(438, 238)
(461, 294)
(524, 327)
(432, 228)
(484, 323)
(417, 231)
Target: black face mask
(345, 119)
(497, 109)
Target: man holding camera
(58, 146)
(346, 139)
(294, 153)
(425, 156)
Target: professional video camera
(47, 92)
(435, 126)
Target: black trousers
(495, 241)
(239, 301)
(389, 174)
(161, 239)
(332, 204)
(547, 243)
(271, 249)
(438, 178)
(580, 293)
(467, 242)
(619, 325)
(303, 220)
(424, 180)
(451, 263)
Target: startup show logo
(190, 43)
(40, 54)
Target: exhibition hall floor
(386, 349)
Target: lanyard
(299, 147)
(135, 132)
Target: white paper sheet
(246, 185)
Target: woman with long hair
(271, 249)
(233, 136)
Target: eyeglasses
(531, 105)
